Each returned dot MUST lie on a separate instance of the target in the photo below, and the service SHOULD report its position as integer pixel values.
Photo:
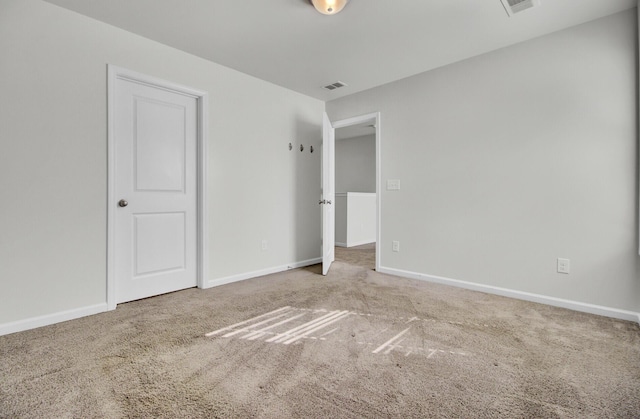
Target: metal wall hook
(301, 148)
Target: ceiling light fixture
(329, 7)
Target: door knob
(122, 203)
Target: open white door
(328, 194)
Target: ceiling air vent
(516, 6)
(334, 86)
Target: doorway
(357, 187)
(156, 187)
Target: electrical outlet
(564, 266)
(396, 246)
(265, 245)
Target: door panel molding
(115, 73)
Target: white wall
(341, 219)
(356, 164)
(355, 218)
(512, 159)
(53, 159)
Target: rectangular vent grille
(515, 6)
(334, 86)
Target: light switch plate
(393, 184)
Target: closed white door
(155, 132)
(328, 194)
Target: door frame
(375, 119)
(115, 73)
(328, 174)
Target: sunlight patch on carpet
(379, 334)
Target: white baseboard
(520, 295)
(62, 316)
(261, 272)
(360, 243)
(46, 320)
(352, 244)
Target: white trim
(353, 244)
(203, 132)
(111, 187)
(261, 272)
(375, 118)
(49, 319)
(355, 120)
(520, 295)
(113, 74)
(366, 194)
(359, 243)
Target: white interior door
(328, 194)
(155, 190)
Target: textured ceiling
(372, 42)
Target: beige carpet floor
(354, 344)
